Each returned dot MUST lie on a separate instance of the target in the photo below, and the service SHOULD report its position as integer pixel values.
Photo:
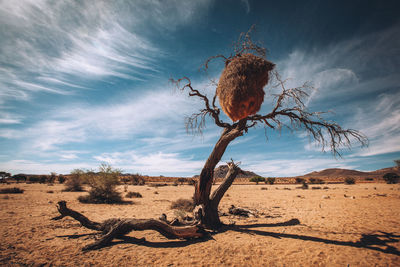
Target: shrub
(191, 181)
(137, 179)
(103, 186)
(20, 177)
(181, 180)
(4, 176)
(11, 190)
(270, 180)
(299, 180)
(61, 179)
(304, 185)
(183, 204)
(51, 179)
(133, 195)
(257, 179)
(391, 178)
(33, 179)
(369, 179)
(74, 181)
(349, 180)
(50, 191)
(42, 179)
(316, 181)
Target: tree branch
(197, 121)
(233, 171)
(290, 104)
(116, 228)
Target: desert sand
(342, 225)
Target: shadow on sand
(378, 242)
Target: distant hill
(222, 170)
(336, 173)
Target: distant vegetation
(11, 190)
(103, 186)
(270, 180)
(316, 181)
(257, 179)
(349, 180)
(134, 179)
(391, 178)
(75, 181)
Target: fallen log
(117, 227)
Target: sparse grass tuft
(11, 190)
(133, 195)
(183, 204)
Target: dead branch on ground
(117, 227)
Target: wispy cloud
(8, 118)
(57, 47)
(152, 163)
(155, 113)
(349, 71)
(367, 64)
(293, 167)
(38, 167)
(246, 5)
(380, 119)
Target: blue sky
(86, 82)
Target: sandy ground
(361, 229)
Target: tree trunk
(210, 214)
(210, 217)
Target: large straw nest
(240, 87)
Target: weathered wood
(210, 217)
(116, 228)
(241, 212)
(208, 214)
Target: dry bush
(316, 181)
(270, 180)
(11, 190)
(103, 186)
(391, 178)
(74, 181)
(183, 204)
(133, 195)
(349, 180)
(257, 179)
(137, 179)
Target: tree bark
(211, 215)
(203, 187)
(116, 228)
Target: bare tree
(289, 110)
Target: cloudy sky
(86, 82)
